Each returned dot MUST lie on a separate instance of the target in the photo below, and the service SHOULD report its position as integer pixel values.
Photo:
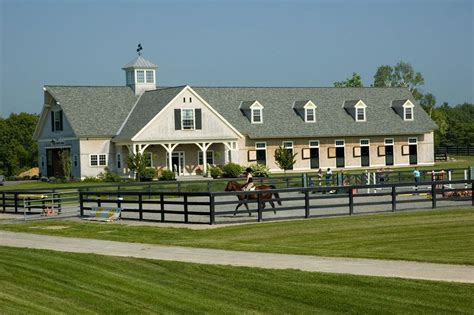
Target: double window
(209, 157)
(98, 160)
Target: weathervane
(139, 49)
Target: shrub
(260, 170)
(91, 180)
(167, 175)
(108, 176)
(215, 171)
(232, 170)
(148, 174)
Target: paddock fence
(219, 207)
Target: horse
(264, 197)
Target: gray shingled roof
(281, 121)
(140, 62)
(94, 111)
(300, 104)
(149, 105)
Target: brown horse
(265, 197)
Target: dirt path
(355, 266)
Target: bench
(107, 214)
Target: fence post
(4, 201)
(259, 206)
(81, 203)
(140, 206)
(351, 201)
(185, 200)
(433, 195)
(212, 209)
(162, 208)
(15, 196)
(472, 192)
(306, 203)
(394, 198)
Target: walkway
(355, 266)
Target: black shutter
(197, 111)
(52, 121)
(61, 120)
(177, 119)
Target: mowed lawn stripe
(40, 281)
(439, 236)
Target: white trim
(257, 148)
(357, 114)
(315, 145)
(283, 144)
(340, 145)
(194, 118)
(413, 143)
(405, 113)
(364, 145)
(189, 89)
(98, 160)
(385, 141)
(252, 110)
(306, 115)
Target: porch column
(230, 150)
(204, 146)
(169, 147)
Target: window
(288, 145)
(412, 140)
(119, 160)
(190, 100)
(184, 99)
(150, 77)
(389, 141)
(408, 113)
(360, 114)
(42, 161)
(75, 161)
(209, 157)
(150, 159)
(57, 120)
(310, 115)
(340, 143)
(140, 76)
(261, 152)
(187, 119)
(98, 159)
(256, 115)
(314, 144)
(130, 77)
(260, 145)
(364, 142)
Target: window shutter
(61, 120)
(177, 119)
(52, 121)
(197, 112)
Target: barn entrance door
(54, 166)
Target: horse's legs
(273, 206)
(248, 210)
(238, 206)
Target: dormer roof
(402, 103)
(354, 104)
(303, 104)
(139, 63)
(248, 105)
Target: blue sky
(232, 43)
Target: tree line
(455, 123)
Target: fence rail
(455, 150)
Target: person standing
(416, 175)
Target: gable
(165, 126)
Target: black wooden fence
(455, 150)
(206, 207)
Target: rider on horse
(249, 185)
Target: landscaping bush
(260, 170)
(148, 174)
(109, 176)
(91, 180)
(232, 170)
(215, 171)
(167, 175)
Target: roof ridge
(297, 87)
(95, 86)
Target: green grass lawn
(441, 236)
(46, 282)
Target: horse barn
(186, 128)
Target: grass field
(46, 282)
(441, 236)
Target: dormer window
(256, 115)
(360, 114)
(408, 113)
(310, 114)
(356, 109)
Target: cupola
(140, 75)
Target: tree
(65, 160)
(428, 102)
(18, 150)
(138, 163)
(355, 81)
(284, 158)
(402, 75)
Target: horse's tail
(277, 196)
